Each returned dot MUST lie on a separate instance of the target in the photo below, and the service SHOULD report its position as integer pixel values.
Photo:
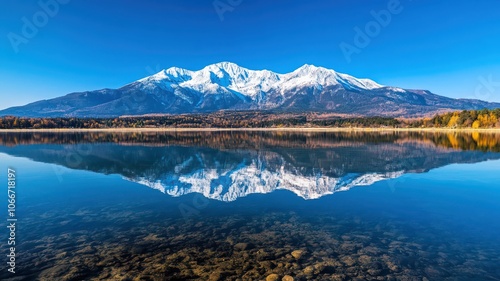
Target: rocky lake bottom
(122, 244)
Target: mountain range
(227, 86)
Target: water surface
(245, 205)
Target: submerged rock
(297, 254)
(273, 277)
(240, 246)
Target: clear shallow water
(235, 206)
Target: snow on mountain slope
(310, 75)
(225, 76)
(229, 87)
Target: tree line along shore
(467, 119)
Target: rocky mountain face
(227, 86)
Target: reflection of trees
(261, 139)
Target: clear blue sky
(443, 46)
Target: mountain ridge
(228, 86)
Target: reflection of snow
(229, 185)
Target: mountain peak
(175, 70)
(308, 69)
(228, 86)
(226, 65)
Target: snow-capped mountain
(226, 77)
(227, 86)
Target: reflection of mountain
(310, 171)
(229, 182)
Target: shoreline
(285, 129)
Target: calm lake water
(246, 205)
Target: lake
(253, 205)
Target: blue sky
(449, 47)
